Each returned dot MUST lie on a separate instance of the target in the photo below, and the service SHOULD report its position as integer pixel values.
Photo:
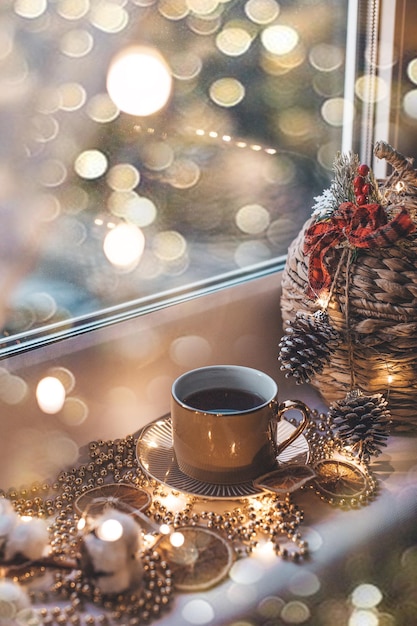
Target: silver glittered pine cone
(307, 345)
(362, 423)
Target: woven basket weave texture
(379, 287)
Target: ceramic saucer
(156, 457)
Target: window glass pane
(383, 89)
(149, 146)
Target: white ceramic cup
(224, 423)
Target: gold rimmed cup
(224, 423)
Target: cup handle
(288, 405)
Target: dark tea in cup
(223, 400)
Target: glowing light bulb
(390, 378)
(110, 530)
(174, 502)
(256, 504)
(139, 81)
(323, 300)
(177, 539)
(164, 529)
(148, 540)
(265, 550)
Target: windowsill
(123, 373)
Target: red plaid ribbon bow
(364, 226)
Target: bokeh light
(204, 25)
(333, 611)
(124, 245)
(297, 123)
(262, 11)
(252, 219)
(270, 607)
(410, 103)
(362, 617)
(190, 351)
(52, 173)
(50, 394)
(43, 304)
(251, 253)
(325, 155)
(183, 174)
(304, 584)
(133, 208)
(13, 388)
(91, 164)
(282, 229)
(173, 9)
(123, 177)
(370, 88)
(139, 81)
(169, 245)
(295, 612)
(76, 43)
(326, 57)
(45, 128)
(202, 7)
(58, 451)
(102, 109)
(241, 596)
(197, 612)
(233, 41)
(30, 9)
(279, 39)
(246, 572)
(227, 92)
(74, 412)
(366, 596)
(336, 111)
(109, 17)
(412, 71)
(73, 9)
(158, 155)
(72, 96)
(186, 65)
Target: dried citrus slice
(201, 561)
(118, 496)
(341, 481)
(285, 479)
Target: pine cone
(361, 422)
(307, 345)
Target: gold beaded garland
(266, 516)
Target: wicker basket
(373, 302)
